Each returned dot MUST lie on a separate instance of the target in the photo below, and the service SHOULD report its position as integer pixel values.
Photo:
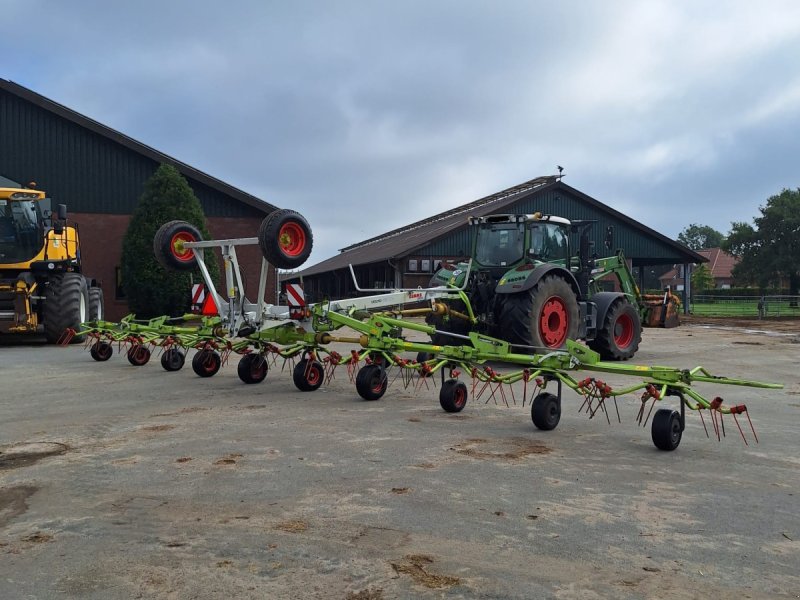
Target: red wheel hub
(460, 397)
(623, 331)
(179, 251)
(292, 239)
(554, 322)
(312, 375)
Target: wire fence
(757, 307)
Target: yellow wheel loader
(42, 287)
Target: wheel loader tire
(621, 331)
(96, 304)
(546, 316)
(168, 245)
(66, 305)
(285, 239)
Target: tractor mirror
(62, 212)
(609, 243)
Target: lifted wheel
(667, 429)
(173, 359)
(101, 351)
(453, 395)
(168, 245)
(252, 368)
(546, 411)
(308, 375)
(206, 363)
(371, 382)
(138, 355)
(285, 239)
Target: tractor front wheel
(620, 334)
(96, 304)
(66, 305)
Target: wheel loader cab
(21, 228)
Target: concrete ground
(131, 482)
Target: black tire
(206, 363)
(308, 375)
(168, 249)
(101, 351)
(173, 359)
(666, 429)
(97, 306)
(66, 305)
(546, 316)
(252, 368)
(453, 396)
(285, 239)
(138, 355)
(546, 411)
(371, 382)
(620, 334)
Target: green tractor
(525, 286)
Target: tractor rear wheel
(168, 245)
(546, 316)
(621, 331)
(285, 239)
(66, 305)
(96, 304)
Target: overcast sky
(365, 116)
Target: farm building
(720, 263)
(99, 174)
(408, 256)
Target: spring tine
(619, 419)
(747, 414)
(735, 420)
(703, 421)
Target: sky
(366, 116)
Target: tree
(698, 237)
(702, 279)
(151, 290)
(770, 250)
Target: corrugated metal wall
(85, 170)
(643, 249)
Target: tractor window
(549, 242)
(21, 230)
(499, 245)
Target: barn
(408, 256)
(99, 173)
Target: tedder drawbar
(380, 327)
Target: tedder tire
(371, 382)
(546, 316)
(285, 239)
(96, 304)
(666, 429)
(546, 411)
(308, 375)
(621, 331)
(101, 351)
(252, 368)
(66, 305)
(173, 359)
(168, 245)
(453, 396)
(138, 355)
(206, 363)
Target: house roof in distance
(132, 144)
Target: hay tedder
(381, 327)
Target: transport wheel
(173, 359)
(96, 304)
(138, 355)
(546, 316)
(206, 363)
(168, 245)
(66, 305)
(252, 368)
(371, 382)
(285, 239)
(546, 411)
(308, 375)
(666, 429)
(620, 334)
(453, 396)
(101, 351)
